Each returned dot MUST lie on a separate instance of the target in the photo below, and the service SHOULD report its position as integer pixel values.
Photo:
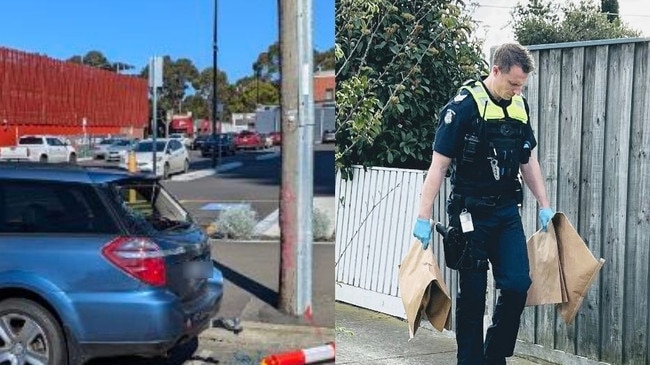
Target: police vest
(495, 146)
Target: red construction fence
(44, 95)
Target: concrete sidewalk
(251, 286)
(368, 337)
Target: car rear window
(52, 207)
(146, 205)
(147, 146)
(30, 140)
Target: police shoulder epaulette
(459, 97)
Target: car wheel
(186, 167)
(43, 158)
(29, 334)
(73, 158)
(166, 171)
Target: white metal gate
(375, 212)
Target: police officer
(485, 136)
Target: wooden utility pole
(289, 184)
(296, 193)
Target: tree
(98, 60)
(177, 78)
(610, 7)
(245, 95)
(203, 88)
(268, 64)
(199, 107)
(541, 22)
(324, 60)
(397, 63)
(120, 66)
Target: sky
(494, 18)
(132, 31)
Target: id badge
(466, 223)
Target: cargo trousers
(498, 238)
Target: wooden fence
(590, 109)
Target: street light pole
(215, 100)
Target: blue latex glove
(422, 231)
(545, 216)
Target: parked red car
(249, 140)
(276, 137)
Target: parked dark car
(223, 141)
(98, 263)
(329, 136)
(199, 141)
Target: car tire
(73, 158)
(43, 159)
(186, 166)
(17, 314)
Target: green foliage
(249, 92)
(398, 63)
(177, 77)
(543, 22)
(237, 223)
(267, 65)
(186, 88)
(202, 86)
(98, 60)
(199, 106)
(324, 60)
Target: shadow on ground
(262, 292)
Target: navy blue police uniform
(487, 140)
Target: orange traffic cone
(302, 357)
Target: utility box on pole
(296, 193)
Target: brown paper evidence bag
(561, 269)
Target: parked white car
(185, 140)
(171, 157)
(40, 148)
(119, 148)
(100, 150)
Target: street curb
(229, 166)
(198, 174)
(267, 156)
(259, 241)
(254, 329)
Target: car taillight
(138, 257)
